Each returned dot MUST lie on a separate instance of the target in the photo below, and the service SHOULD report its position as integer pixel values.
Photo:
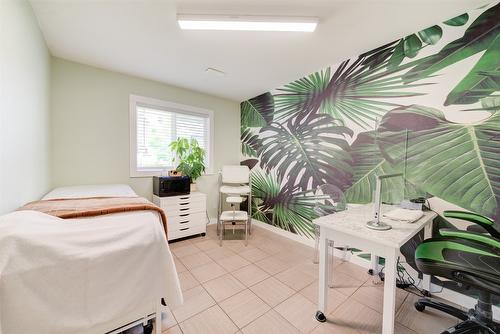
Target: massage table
(101, 274)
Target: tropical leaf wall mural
(258, 111)
(368, 163)
(307, 152)
(456, 162)
(426, 105)
(483, 79)
(288, 208)
(250, 143)
(359, 91)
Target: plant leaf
(459, 163)
(280, 206)
(397, 55)
(311, 151)
(250, 163)
(458, 20)
(369, 163)
(411, 45)
(478, 36)
(490, 103)
(307, 95)
(355, 92)
(258, 111)
(482, 80)
(250, 143)
(431, 35)
(379, 55)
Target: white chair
(234, 188)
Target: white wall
(24, 107)
(90, 126)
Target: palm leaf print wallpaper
(427, 103)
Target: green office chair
(471, 259)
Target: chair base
(471, 327)
(471, 323)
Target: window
(154, 124)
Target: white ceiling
(141, 38)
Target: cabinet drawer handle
(184, 197)
(187, 203)
(184, 222)
(184, 215)
(184, 209)
(183, 229)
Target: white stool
(233, 218)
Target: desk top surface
(353, 222)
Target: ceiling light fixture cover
(246, 23)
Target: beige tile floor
(271, 286)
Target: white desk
(348, 228)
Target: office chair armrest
(448, 232)
(484, 222)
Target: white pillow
(104, 190)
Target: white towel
(405, 215)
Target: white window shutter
(156, 128)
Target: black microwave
(164, 186)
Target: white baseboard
(346, 256)
(295, 237)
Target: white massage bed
(88, 275)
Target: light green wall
(90, 126)
(24, 107)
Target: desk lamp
(376, 224)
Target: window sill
(151, 174)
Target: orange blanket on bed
(95, 206)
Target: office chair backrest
(235, 174)
(484, 222)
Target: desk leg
(426, 279)
(374, 265)
(389, 309)
(331, 262)
(323, 277)
(159, 308)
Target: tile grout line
(217, 304)
(248, 288)
(201, 284)
(296, 292)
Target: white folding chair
(234, 188)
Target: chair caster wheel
(148, 329)
(320, 316)
(426, 293)
(419, 307)
(203, 234)
(370, 272)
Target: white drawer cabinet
(186, 214)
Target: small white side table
(349, 228)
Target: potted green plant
(191, 158)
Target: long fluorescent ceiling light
(249, 23)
